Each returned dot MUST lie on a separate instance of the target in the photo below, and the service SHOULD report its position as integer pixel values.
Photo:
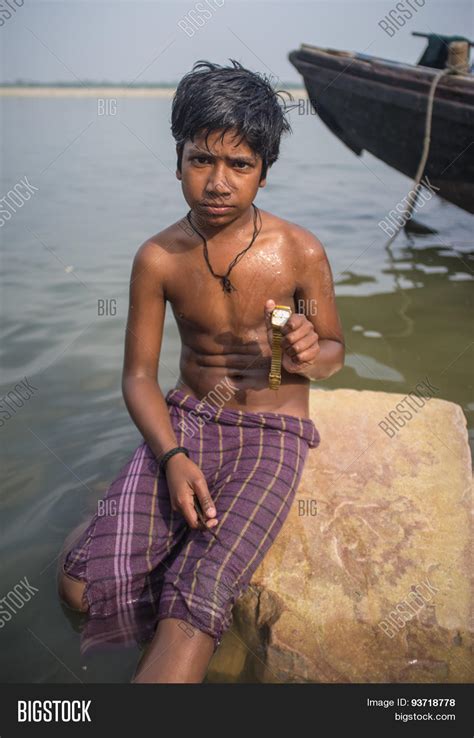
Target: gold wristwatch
(280, 316)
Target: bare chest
(201, 305)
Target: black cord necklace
(227, 285)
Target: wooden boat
(380, 105)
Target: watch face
(280, 316)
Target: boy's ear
(263, 181)
(178, 171)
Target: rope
(413, 194)
(227, 285)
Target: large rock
(377, 585)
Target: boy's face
(225, 173)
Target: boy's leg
(117, 564)
(115, 567)
(178, 654)
(71, 588)
(71, 592)
(208, 575)
(202, 578)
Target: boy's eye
(203, 159)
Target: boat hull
(380, 106)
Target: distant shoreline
(109, 92)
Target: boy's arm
(141, 392)
(313, 341)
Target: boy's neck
(242, 224)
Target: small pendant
(226, 284)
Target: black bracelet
(169, 454)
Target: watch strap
(275, 368)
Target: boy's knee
(71, 592)
(202, 598)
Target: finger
(269, 307)
(294, 322)
(306, 357)
(308, 342)
(187, 510)
(299, 335)
(200, 514)
(291, 338)
(205, 499)
(206, 522)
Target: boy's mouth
(214, 209)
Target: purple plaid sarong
(142, 562)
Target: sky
(151, 42)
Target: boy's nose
(217, 184)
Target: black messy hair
(212, 96)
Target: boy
(206, 493)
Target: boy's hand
(185, 479)
(300, 342)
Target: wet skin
(226, 338)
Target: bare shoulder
(155, 254)
(304, 244)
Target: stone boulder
(371, 577)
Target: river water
(101, 184)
